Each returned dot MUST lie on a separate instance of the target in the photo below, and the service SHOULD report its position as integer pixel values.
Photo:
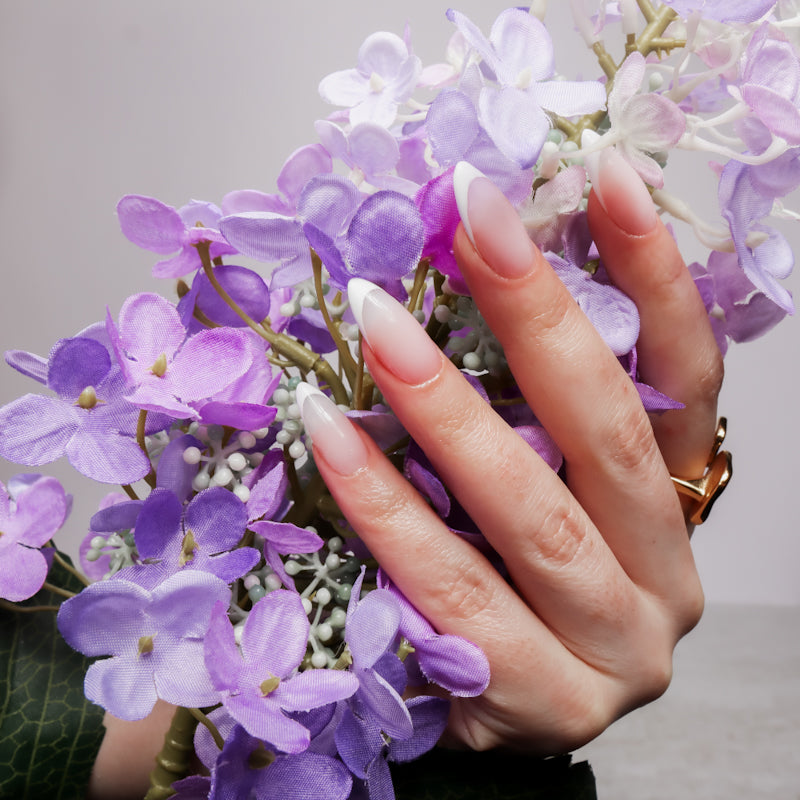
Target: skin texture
(604, 582)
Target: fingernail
(394, 335)
(492, 223)
(621, 192)
(332, 434)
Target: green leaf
(492, 775)
(49, 732)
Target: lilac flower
(449, 661)
(770, 83)
(612, 312)
(327, 202)
(519, 54)
(268, 501)
(723, 10)
(28, 520)
(642, 124)
(456, 135)
(157, 227)
(552, 206)
(366, 752)
(89, 421)
(246, 768)
(204, 536)
(302, 165)
(744, 202)
(154, 638)
(97, 568)
(166, 371)
(369, 150)
(385, 77)
(736, 309)
(371, 629)
(437, 205)
(259, 681)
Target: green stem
(140, 429)
(345, 356)
(69, 568)
(57, 590)
(289, 348)
(212, 728)
(25, 609)
(175, 758)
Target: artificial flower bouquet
(223, 578)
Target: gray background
(191, 98)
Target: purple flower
(450, 661)
(327, 203)
(385, 77)
(166, 371)
(455, 134)
(770, 83)
(366, 752)
(89, 421)
(723, 10)
(642, 124)
(736, 309)
(612, 312)
(28, 520)
(155, 640)
(302, 165)
(97, 568)
(519, 54)
(266, 503)
(245, 768)
(259, 680)
(744, 201)
(369, 150)
(204, 536)
(370, 631)
(157, 227)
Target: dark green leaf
(49, 732)
(493, 775)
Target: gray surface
(727, 728)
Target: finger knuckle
(563, 536)
(632, 445)
(464, 598)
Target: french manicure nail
(394, 335)
(492, 223)
(621, 192)
(332, 434)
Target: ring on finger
(705, 491)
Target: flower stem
(26, 609)
(212, 728)
(57, 590)
(140, 429)
(289, 348)
(175, 758)
(345, 356)
(129, 490)
(69, 568)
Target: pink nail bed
(621, 192)
(492, 223)
(394, 335)
(332, 434)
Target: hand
(603, 579)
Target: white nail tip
(357, 291)
(463, 175)
(303, 392)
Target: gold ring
(705, 491)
